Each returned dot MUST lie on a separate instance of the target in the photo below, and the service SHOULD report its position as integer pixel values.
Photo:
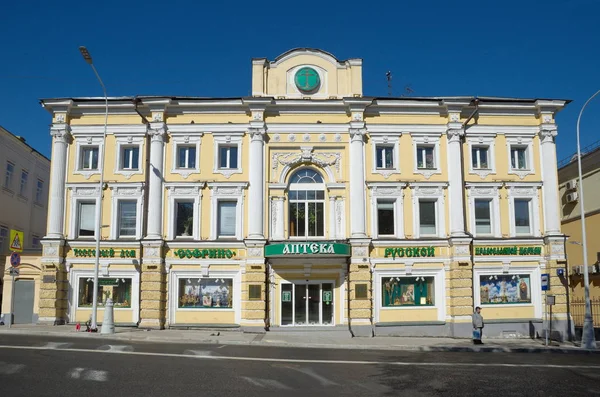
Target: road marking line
(116, 348)
(266, 383)
(303, 361)
(202, 353)
(57, 345)
(322, 380)
(88, 374)
(10, 369)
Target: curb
(266, 343)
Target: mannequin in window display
(523, 290)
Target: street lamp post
(588, 340)
(94, 326)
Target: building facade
(570, 196)
(306, 204)
(24, 206)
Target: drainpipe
(267, 296)
(371, 299)
(348, 297)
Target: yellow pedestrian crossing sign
(16, 241)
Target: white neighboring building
(24, 194)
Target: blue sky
(543, 49)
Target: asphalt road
(49, 366)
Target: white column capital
(60, 132)
(455, 133)
(547, 133)
(257, 133)
(157, 131)
(357, 134)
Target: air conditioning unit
(578, 269)
(572, 197)
(571, 185)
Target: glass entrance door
(307, 304)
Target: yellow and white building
(307, 204)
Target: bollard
(108, 323)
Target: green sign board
(327, 297)
(286, 296)
(106, 253)
(108, 282)
(307, 248)
(213, 253)
(410, 252)
(523, 251)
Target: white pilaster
(157, 133)
(277, 218)
(332, 215)
(256, 189)
(550, 180)
(56, 210)
(357, 182)
(455, 180)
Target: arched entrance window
(306, 197)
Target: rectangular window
(39, 191)
(425, 158)
(198, 293)
(36, 242)
(427, 225)
(227, 218)
(186, 157)
(184, 218)
(23, 187)
(385, 157)
(407, 291)
(483, 221)
(10, 170)
(117, 289)
(86, 217)
(127, 218)
(479, 157)
(306, 213)
(3, 239)
(522, 216)
(504, 289)
(130, 158)
(228, 157)
(518, 157)
(89, 158)
(385, 218)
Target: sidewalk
(304, 339)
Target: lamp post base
(588, 339)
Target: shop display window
(407, 291)
(118, 289)
(211, 293)
(505, 289)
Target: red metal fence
(578, 311)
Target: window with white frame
(88, 158)
(522, 219)
(480, 157)
(227, 216)
(384, 157)
(8, 176)
(205, 293)
(127, 218)
(427, 217)
(428, 209)
(426, 157)
(39, 191)
(483, 216)
(184, 218)
(228, 156)
(407, 291)
(386, 217)
(23, 186)
(306, 196)
(130, 158)
(86, 216)
(116, 288)
(186, 156)
(519, 157)
(227, 153)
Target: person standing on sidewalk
(478, 325)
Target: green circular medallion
(307, 80)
